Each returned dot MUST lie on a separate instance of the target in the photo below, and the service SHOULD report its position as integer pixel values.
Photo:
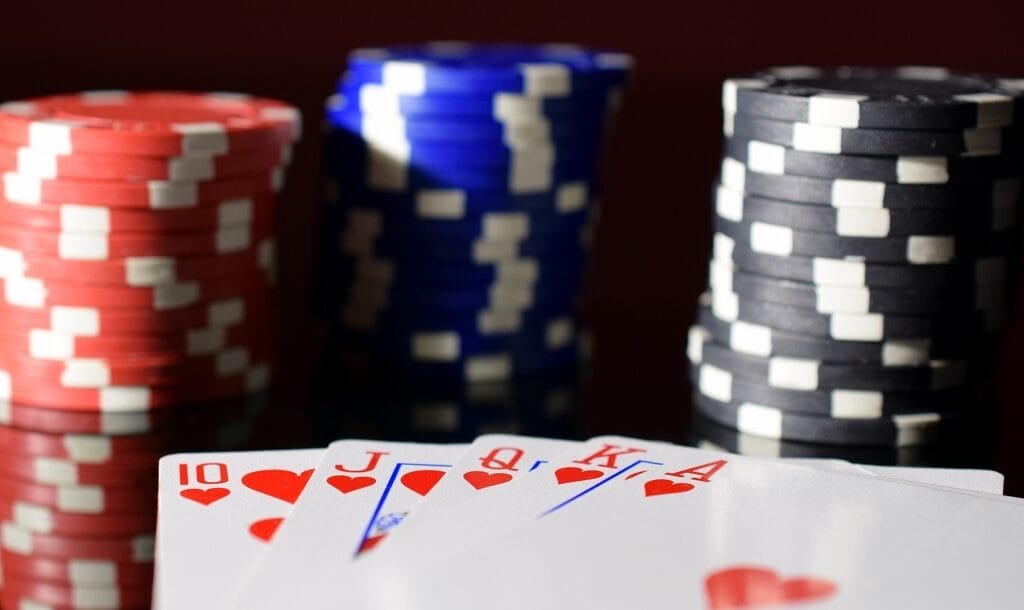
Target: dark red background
(653, 242)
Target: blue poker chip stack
(462, 185)
(864, 254)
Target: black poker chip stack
(863, 265)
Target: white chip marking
(495, 367)
(834, 110)
(856, 404)
(858, 194)
(793, 373)
(750, 338)
(930, 249)
(817, 138)
(857, 327)
(759, 420)
(834, 272)
(863, 222)
(771, 239)
(436, 346)
(766, 158)
(715, 383)
(922, 170)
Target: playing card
(217, 512)
(492, 461)
(359, 493)
(716, 531)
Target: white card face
(983, 481)
(963, 479)
(218, 512)
(359, 493)
(490, 463)
(717, 531)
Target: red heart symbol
(573, 474)
(346, 484)
(205, 497)
(371, 543)
(281, 484)
(422, 481)
(480, 479)
(746, 587)
(265, 528)
(661, 487)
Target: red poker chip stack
(136, 270)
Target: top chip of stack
(865, 231)
(463, 181)
(136, 262)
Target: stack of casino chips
(462, 192)
(864, 240)
(136, 261)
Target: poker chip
(907, 97)
(758, 339)
(149, 195)
(381, 270)
(855, 299)
(185, 424)
(864, 255)
(852, 327)
(86, 499)
(76, 572)
(74, 218)
(986, 141)
(137, 370)
(45, 419)
(80, 448)
(50, 165)
(368, 97)
(483, 367)
(137, 268)
(48, 345)
(765, 158)
(454, 67)
(864, 222)
(251, 379)
(22, 593)
(166, 124)
(34, 293)
(97, 320)
(710, 435)
(90, 247)
(566, 197)
(532, 136)
(461, 206)
(842, 193)
(768, 422)
(453, 344)
(721, 384)
(771, 238)
(852, 272)
(46, 520)
(808, 375)
(49, 471)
